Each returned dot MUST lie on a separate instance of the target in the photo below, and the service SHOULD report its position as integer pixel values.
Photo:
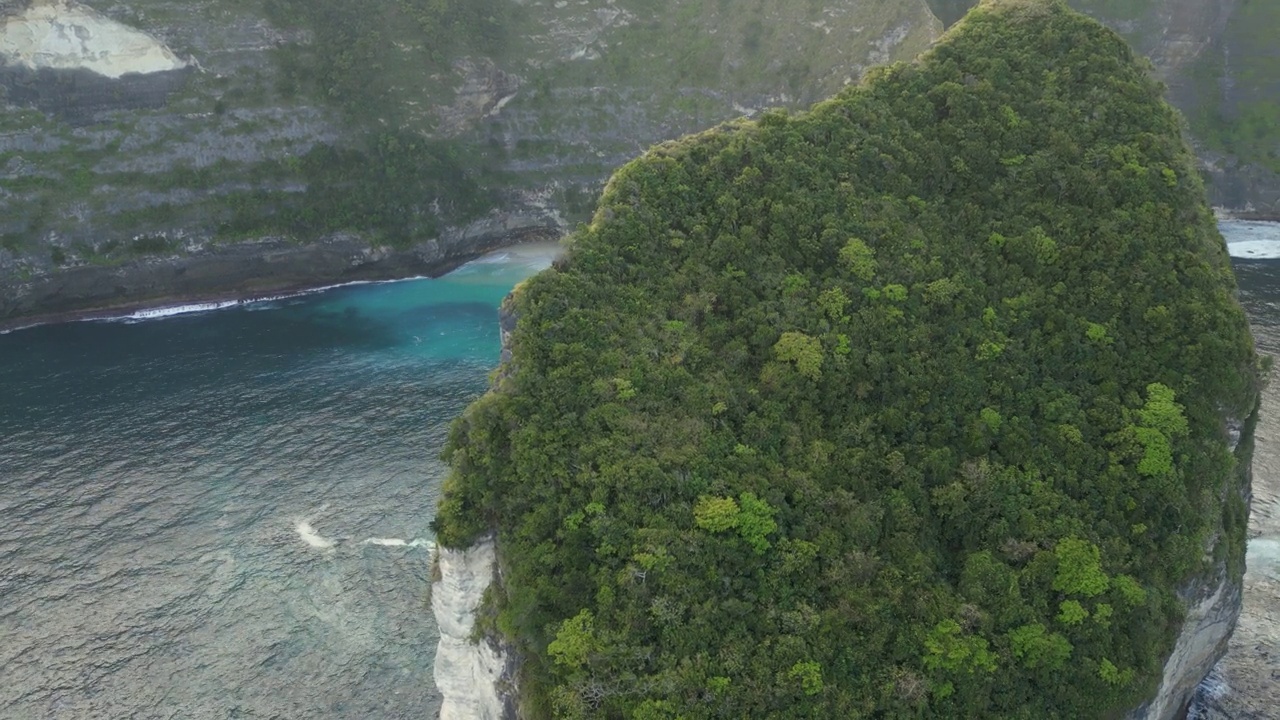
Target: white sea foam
(163, 312)
(399, 542)
(1255, 249)
(1213, 687)
(1264, 556)
(316, 540)
(1251, 240)
(310, 537)
(159, 313)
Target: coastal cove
(227, 511)
(238, 500)
(228, 274)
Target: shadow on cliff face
(80, 96)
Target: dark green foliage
(910, 406)
(395, 189)
(376, 60)
(387, 188)
(356, 41)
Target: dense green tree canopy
(912, 405)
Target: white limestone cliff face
(468, 674)
(64, 35)
(1213, 601)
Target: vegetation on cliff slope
(1230, 87)
(1239, 108)
(909, 406)
(312, 117)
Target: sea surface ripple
(225, 514)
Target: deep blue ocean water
(168, 489)
(225, 514)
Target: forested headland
(911, 405)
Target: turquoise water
(225, 514)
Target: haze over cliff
(354, 125)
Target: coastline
(138, 310)
(1225, 214)
(274, 268)
(254, 271)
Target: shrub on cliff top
(924, 410)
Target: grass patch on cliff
(396, 191)
(376, 59)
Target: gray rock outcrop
(1213, 606)
(63, 35)
(68, 59)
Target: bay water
(225, 514)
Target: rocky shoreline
(1245, 685)
(1247, 215)
(248, 271)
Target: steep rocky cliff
(391, 122)
(1213, 600)
(298, 122)
(476, 673)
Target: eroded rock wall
(1213, 606)
(265, 267)
(1213, 600)
(469, 672)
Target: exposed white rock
(63, 35)
(467, 673)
